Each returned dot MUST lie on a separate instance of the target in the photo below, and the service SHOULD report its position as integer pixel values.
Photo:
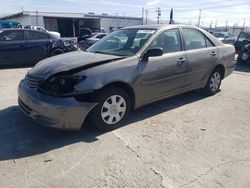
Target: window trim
(180, 37)
(3, 33)
(40, 32)
(194, 29)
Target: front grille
(34, 82)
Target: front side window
(32, 35)
(193, 39)
(169, 41)
(125, 42)
(12, 36)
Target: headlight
(62, 85)
(67, 43)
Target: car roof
(18, 29)
(158, 26)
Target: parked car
(6, 24)
(243, 39)
(84, 33)
(85, 44)
(24, 46)
(118, 74)
(39, 28)
(244, 55)
(225, 37)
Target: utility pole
(158, 15)
(199, 19)
(244, 23)
(211, 25)
(215, 25)
(146, 16)
(226, 25)
(36, 17)
(142, 15)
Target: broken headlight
(62, 85)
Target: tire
(56, 52)
(213, 83)
(114, 106)
(240, 60)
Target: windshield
(244, 36)
(125, 42)
(219, 35)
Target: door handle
(181, 61)
(213, 54)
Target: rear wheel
(113, 107)
(243, 57)
(56, 52)
(213, 83)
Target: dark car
(27, 47)
(95, 37)
(84, 33)
(243, 39)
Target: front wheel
(56, 52)
(113, 107)
(213, 83)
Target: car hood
(69, 62)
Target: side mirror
(153, 52)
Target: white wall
(37, 20)
(24, 20)
(116, 23)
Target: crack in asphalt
(27, 173)
(160, 175)
(235, 99)
(131, 149)
(211, 169)
(151, 167)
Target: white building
(71, 24)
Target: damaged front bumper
(61, 113)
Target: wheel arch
(221, 68)
(54, 49)
(126, 87)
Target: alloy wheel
(215, 81)
(113, 109)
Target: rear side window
(12, 36)
(195, 40)
(244, 37)
(32, 35)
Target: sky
(213, 12)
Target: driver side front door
(164, 75)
